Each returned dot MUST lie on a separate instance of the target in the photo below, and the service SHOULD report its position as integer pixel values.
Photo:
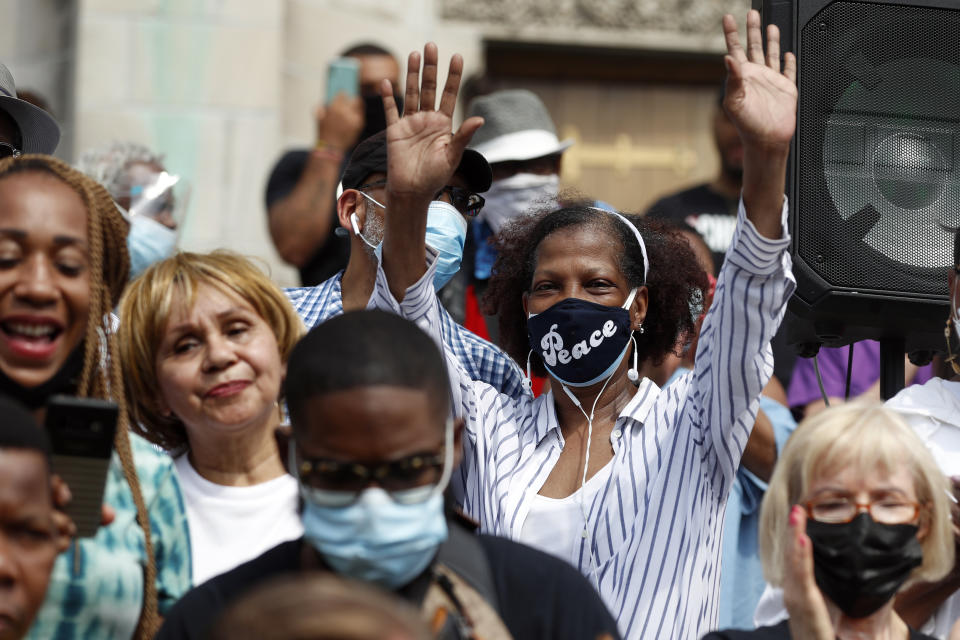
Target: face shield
(160, 196)
(156, 204)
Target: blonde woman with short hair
(857, 510)
(204, 342)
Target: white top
(656, 527)
(555, 525)
(933, 410)
(230, 525)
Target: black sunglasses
(465, 201)
(406, 480)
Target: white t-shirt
(231, 525)
(554, 525)
(933, 410)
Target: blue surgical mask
(148, 242)
(376, 539)
(580, 342)
(446, 233)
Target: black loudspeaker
(874, 176)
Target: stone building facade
(223, 86)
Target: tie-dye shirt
(96, 589)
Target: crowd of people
(608, 448)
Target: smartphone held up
(81, 432)
(343, 76)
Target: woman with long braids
(625, 480)
(63, 266)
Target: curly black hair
(675, 282)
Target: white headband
(636, 232)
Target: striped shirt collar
(637, 410)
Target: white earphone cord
(586, 462)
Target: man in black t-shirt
(301, 192)
(373, 447)
(711, 208)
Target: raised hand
(809, 617)
(339, 123)
(422, 149)
(761, 100)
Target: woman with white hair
(857, 510)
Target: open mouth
(31, 339)
(28, 331)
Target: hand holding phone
(343, 76)
(81, 432)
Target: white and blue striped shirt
(656, 527)
(481, 359)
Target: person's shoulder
(677, 206)
(285, 174)
(154, 465)
(916, 635)
(319, 302)
(776, 632)
(929, 389)
(292, 158)
(192, 615)
(542, 596)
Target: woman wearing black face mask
(857, 510)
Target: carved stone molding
(677, 16)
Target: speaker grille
(879, 132)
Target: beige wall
(197, 80)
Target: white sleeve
(734, 360)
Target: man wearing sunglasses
(373, 448)
(24, 128)
(361, 210)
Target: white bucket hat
(516, 126)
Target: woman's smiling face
(218, 366)
(44, 275)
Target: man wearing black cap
(361, 209)
(24, 128)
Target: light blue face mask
(376, 538)
(446, 233)
(148, 242)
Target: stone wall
(199, 81)
(222, 87)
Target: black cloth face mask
(581, 342)
(860, 565)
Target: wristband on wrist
(325, 150)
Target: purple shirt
(833, 368)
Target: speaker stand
(891, 367)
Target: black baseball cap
(370, 156)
